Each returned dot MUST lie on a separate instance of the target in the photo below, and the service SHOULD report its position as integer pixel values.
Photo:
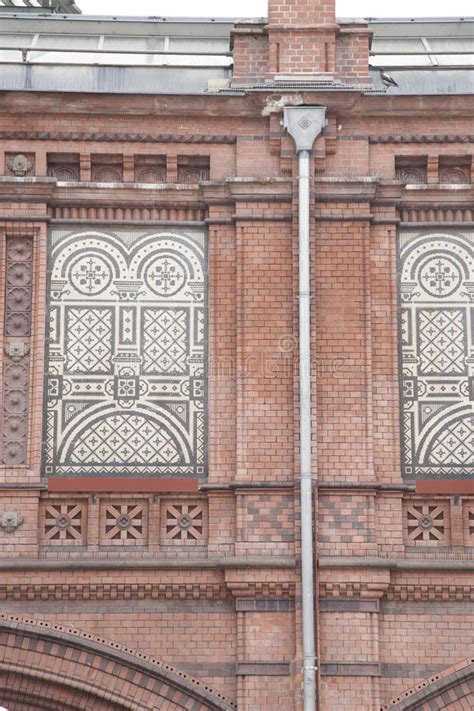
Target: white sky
(252, 8)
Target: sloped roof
(158, 55)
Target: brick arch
(451, 689)
(47, 667)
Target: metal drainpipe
(304, 124)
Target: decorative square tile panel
(427, 524)
(183, 523)
(63, 523)
(124, 523)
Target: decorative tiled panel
(427, 523)
(17, 331)
(124, 523)
(127, 333)
(436, 289)
(183, 523)
(63, 523)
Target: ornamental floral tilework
(125, 384)
(436, 289)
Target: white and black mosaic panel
(126, 379)
(436, 295)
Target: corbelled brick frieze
(251, 592)
(115, 591)
(426, 138)
(139, 213)
(461, 214)
(344, 593)
(419, 592)
(102, 137)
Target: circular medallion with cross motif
(165, 276)
(90, 275)
(440, 276)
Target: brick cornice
(264, 189)
(95, 200)
(372, 562)
(26, 190)
(150, 106)
(345, 189)
(198, 563)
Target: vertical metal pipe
(305, 124)
(307, 555)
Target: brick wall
(221, 602)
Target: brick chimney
(302, 38)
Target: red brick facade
(220, 604)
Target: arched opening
(451, 689)
(47, 667)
